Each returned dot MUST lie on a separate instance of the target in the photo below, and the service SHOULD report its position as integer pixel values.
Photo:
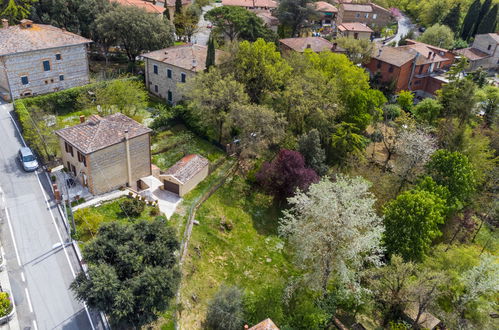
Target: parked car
(28, 159)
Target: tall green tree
(470, 20)
(458, 99)
(15, 10)
(260, 67)
(484, 10)
(210, 55)
(178, 6)
(427, 111)
(454, 171)
(294, 14)
(489, 22)
(411, 222)
(135, 30)
(226, 309)
(438, 35)
(132, 274)
(310, 147)
(453, 18)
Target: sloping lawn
(169, 146)
(236, 243)
(87, 220)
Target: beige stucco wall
(361, 35)
(165, 84)
(81, 169)
(73, 65)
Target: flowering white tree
(414, 148)
(334, 229)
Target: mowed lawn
(236, 243)
(169, 146)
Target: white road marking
(12, 236)
(56, 228)
(29, 300)
(22, 277)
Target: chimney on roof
(433, 57)
(429, 54)
(380, 51)
(194, 63)
(5, 23)
(82, 119)
(26, 23)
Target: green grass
(169, 146)
(250, 255)
(88, 219)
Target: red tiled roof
(190, 57)
(357, 7)
(18, 39)
(147, 6)
(380, 8)
(187, 167)
(429, 53)
(266, 324)
(325, 7)
(171, 3)
(494, 36)
(393, 55)
(98, 133)
(250, 3)
(268, 18)
(472, 53)
(354, 26)
(316, 44)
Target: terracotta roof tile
(325, 7)
(393, 55)
(17, 39)
(147, 6)
(266, 324)
(187, 167)
(472, 53)
(98, 133)
(250, 3)
(316, 44)
(190, 57)
(357, 7)
(355, 26)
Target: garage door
(170, 186)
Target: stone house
(186, 174)
(166, 68)
(106, 153)
(39, 59)
(170, 6)
(327, 13)
(483, 53)
(416, 66)
(269, 20)
(355, 30)
(374, 16)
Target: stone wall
(73, 65)
(163, 83)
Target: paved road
(404, 26)
(203, 33)
(30, 227)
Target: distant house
(105, 153)
(266, 324)
(186, 174)
(355, 30)
(416, 66)
(316, 44)
(170, 5)
(269, 20)
(426, 320)
(147, 6)
(39, 59)
(327, 13)
(166, 68)
(483, 53)
(372, 15)
(251, 4)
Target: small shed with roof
(186, 174)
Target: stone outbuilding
(483, 53)
(106, 153)
(186, 174)
(39, 59)
(355, 30)
(315, 44)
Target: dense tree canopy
(295, 14)
(225, 310)
(15, 10)
(438, 35)
(132, 271)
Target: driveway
(40, 263)
(203, 33)
(404, 26)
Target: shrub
(225, 310)
(154, 211)
(133, 207)
(5, 304)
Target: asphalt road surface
(40, 263)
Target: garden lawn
(87, 220)
(250, 255)
(169, 146)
